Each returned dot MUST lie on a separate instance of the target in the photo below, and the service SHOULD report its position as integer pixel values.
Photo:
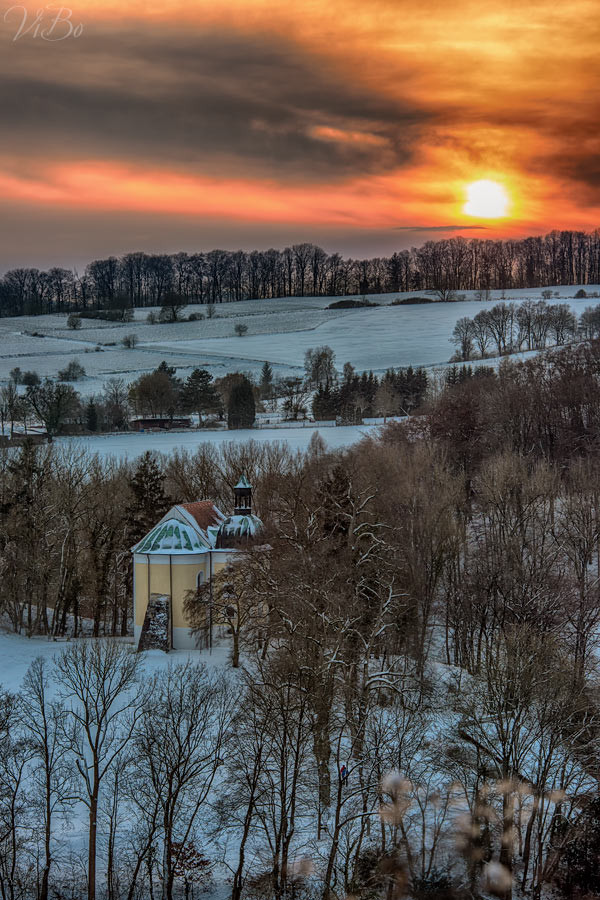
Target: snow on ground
(16, 655)
(18, 652)
(132, 445)
(279, 330)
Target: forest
(411, 707)
(217, 276)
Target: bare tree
(43, 720)
(99, 683)
(462, 336)
(180, 744)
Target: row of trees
(530, 325)
(162, 394)
(169, 280)
(397, 392)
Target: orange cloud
(378, 202)
(363, 115)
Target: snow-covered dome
(171, 536)
(239, 526)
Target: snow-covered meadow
(297, 438)
(279, 330)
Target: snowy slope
(279, 330)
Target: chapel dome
(238, 529)
(171, 536)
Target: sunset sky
(358, 125)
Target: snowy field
(132, 445)
(18, 652)
(279, 331)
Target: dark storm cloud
(578, 165)
(212, 102)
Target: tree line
(530, 325)
(217, 276)
(163, 395)
(412, 704)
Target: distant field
(279, 331)
(133, 445)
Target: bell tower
(242, 497)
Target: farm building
(162, 424)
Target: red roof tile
(204, 512)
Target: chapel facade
(184, 550)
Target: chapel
(184, 550)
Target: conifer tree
(149, 501)
(241, 411)
(326, 403)
(91, 416)
(200, 394)
(266, 381)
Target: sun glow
(486, 200)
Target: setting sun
(486, 200)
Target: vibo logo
(47, 24)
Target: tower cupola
(242, 498)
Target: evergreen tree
(266, 381)
(91, 416)
(149, 501)
(452, 375)
(166, 368)
(326, 403)
(200, 395)
(241, 411)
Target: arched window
(199, 580)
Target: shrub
(130, 341)
(30, 379)
(434, 886)
(581, 294)
(74, 321)
(73, 372)
(240, 329)
(16, 376)
(108, 315)
(152, 318)
(350, 304)
(195, 317)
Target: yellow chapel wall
(174, 580)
